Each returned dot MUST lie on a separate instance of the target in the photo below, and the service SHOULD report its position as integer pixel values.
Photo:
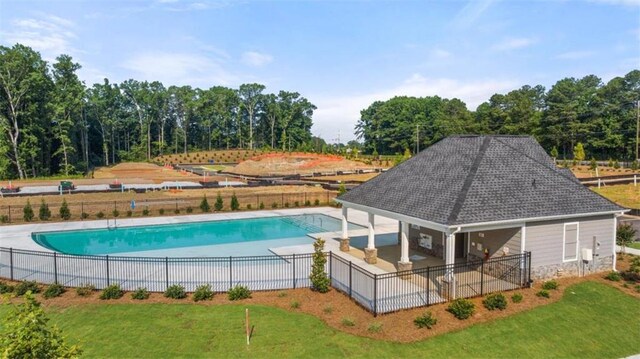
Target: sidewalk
(629, 250)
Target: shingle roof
(477, 179)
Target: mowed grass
(626, 195)
(591, 321)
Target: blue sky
(341, 55)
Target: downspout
(615, 237)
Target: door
(460, 245)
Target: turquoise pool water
(241, 237)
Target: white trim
(398, 216)
(564, 238)
(523, 239)
(538, 219)
(615, 235)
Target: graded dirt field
(585, 171)
(295, 163)
(144, 171)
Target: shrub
(5, 288)
(328, 309)
(616, 164)
(550, 284)
(286, 205)
(27, 212)
(219, 205)
(239, 292)
(316, 202)
(115, 213)
(295, 304)
(613, 276)
(129, 213)
(625, 235)
(146, 212)
(495, 301)
(100, 215)
(175, 291)
(282, 294)
(307, 203)
(296, 204)
(54, 290)
(203, 292)
(85, 290)
(161, 211)
(426, 320)
(235, 205)
(65, 212)
(84, 215)
(543, 294)
(461, 308)
(189, 210)
(517, 298)
(26, 286)
(204, 205)
(261, 205)
(4, 219)
(44, 213)
(342, 189)
(249, 206)
(348, 322)
(140, 294)
(274, 205)
(319, 280)
(176, 211)
(112, 292)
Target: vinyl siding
(544, 239)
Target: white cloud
(179, 69)
(48, 34)
(575, 55)
(256, 59)
(513, 44)
(342, 112)
(471, 12)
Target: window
(570, 242)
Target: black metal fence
(378, 293)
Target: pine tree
(578, 152)
(44, 213)
(204, 205)
(27, 212)
(593, 165)
(342, 189)
(554, 152)
(65, 213)
(235, 205)
(219, 205)
(320, 282)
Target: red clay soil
(334, 306)
(282, 163)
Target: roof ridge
(468, 181)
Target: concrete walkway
(628, 250)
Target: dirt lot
(584, 171)
(295, 163)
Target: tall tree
(251, 97)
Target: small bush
(286, 205)
(4, 219)
(550, 285)
(348, 322)
(26, 286)
(203, 292)
(85, 290)
(295, 304)
(140, 294)
(461, 308)
(239, 292)
(375, 327)
(235, 205)
(219, 205)
(161, 211)
(176, 211)
(296, 204)
(274, 205)
(146, 212)
(543, 294)
(204, 205)
(307, 203)
(54, 290)
(129, 213)
(328, 309)
(100, 215)
(189, 210)
(261, 205)
(495, 301)
(316, 202)
(5, 288)
(115, 213)
(282, 294)
(84, 215)
(249, 206)
(112, 292)
(27, 212)
(44, 213)
(175, 291)
(65, 213)
(613, 276)
(425, 321)
(517, 298)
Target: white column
(450, 252)
(404, 243)
(345, 223)
(372, 232)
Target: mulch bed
(334, 306)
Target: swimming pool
(239, 237)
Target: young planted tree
(554, 152)
(65, 213)
(320, 282)
(204, 205)
(235, 205)
(27, 212)
(625, 235)
(44, 213)
(578, 152)
(219, 203)
(27, 334)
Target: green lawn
(635, 245)
(591, 321)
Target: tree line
(52, 123)
(600, 116)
